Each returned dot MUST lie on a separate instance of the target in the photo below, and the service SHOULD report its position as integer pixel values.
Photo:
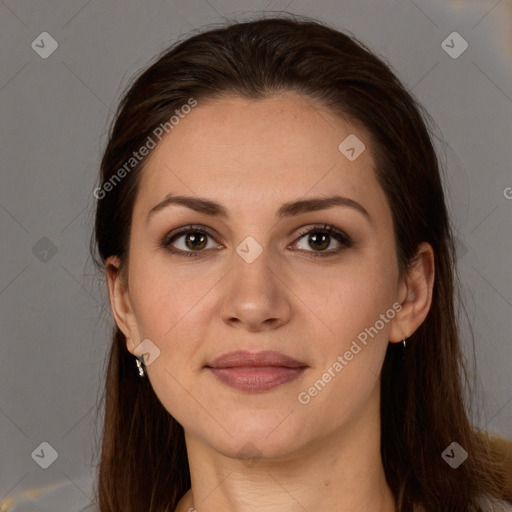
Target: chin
(257, 441)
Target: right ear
(120, 303)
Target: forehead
(242, 150)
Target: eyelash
(337, 234)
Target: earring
(404, 345)
(139, 361)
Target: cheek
(166, 297)
(357, 308)
(349, 298)
(351, 352)
(169, 308)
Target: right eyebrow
(205, 206)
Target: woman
(279, 260)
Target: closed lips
(243, 358)
(255, 372)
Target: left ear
(415, 294)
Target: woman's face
(256, 282)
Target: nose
(255, 296)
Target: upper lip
(244, 358)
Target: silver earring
(139, 361)
(404, 345)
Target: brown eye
(196, 241)
(319, 241)
(188, 241)
(320, 238)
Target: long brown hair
(424, 408)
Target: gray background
(54, 114)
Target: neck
(342, 471)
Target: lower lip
(256, 379)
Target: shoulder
(495, 505)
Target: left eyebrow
(209, 207)
(320, 203)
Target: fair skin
(252, 156)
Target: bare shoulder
(491, 504)
(500, 506)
